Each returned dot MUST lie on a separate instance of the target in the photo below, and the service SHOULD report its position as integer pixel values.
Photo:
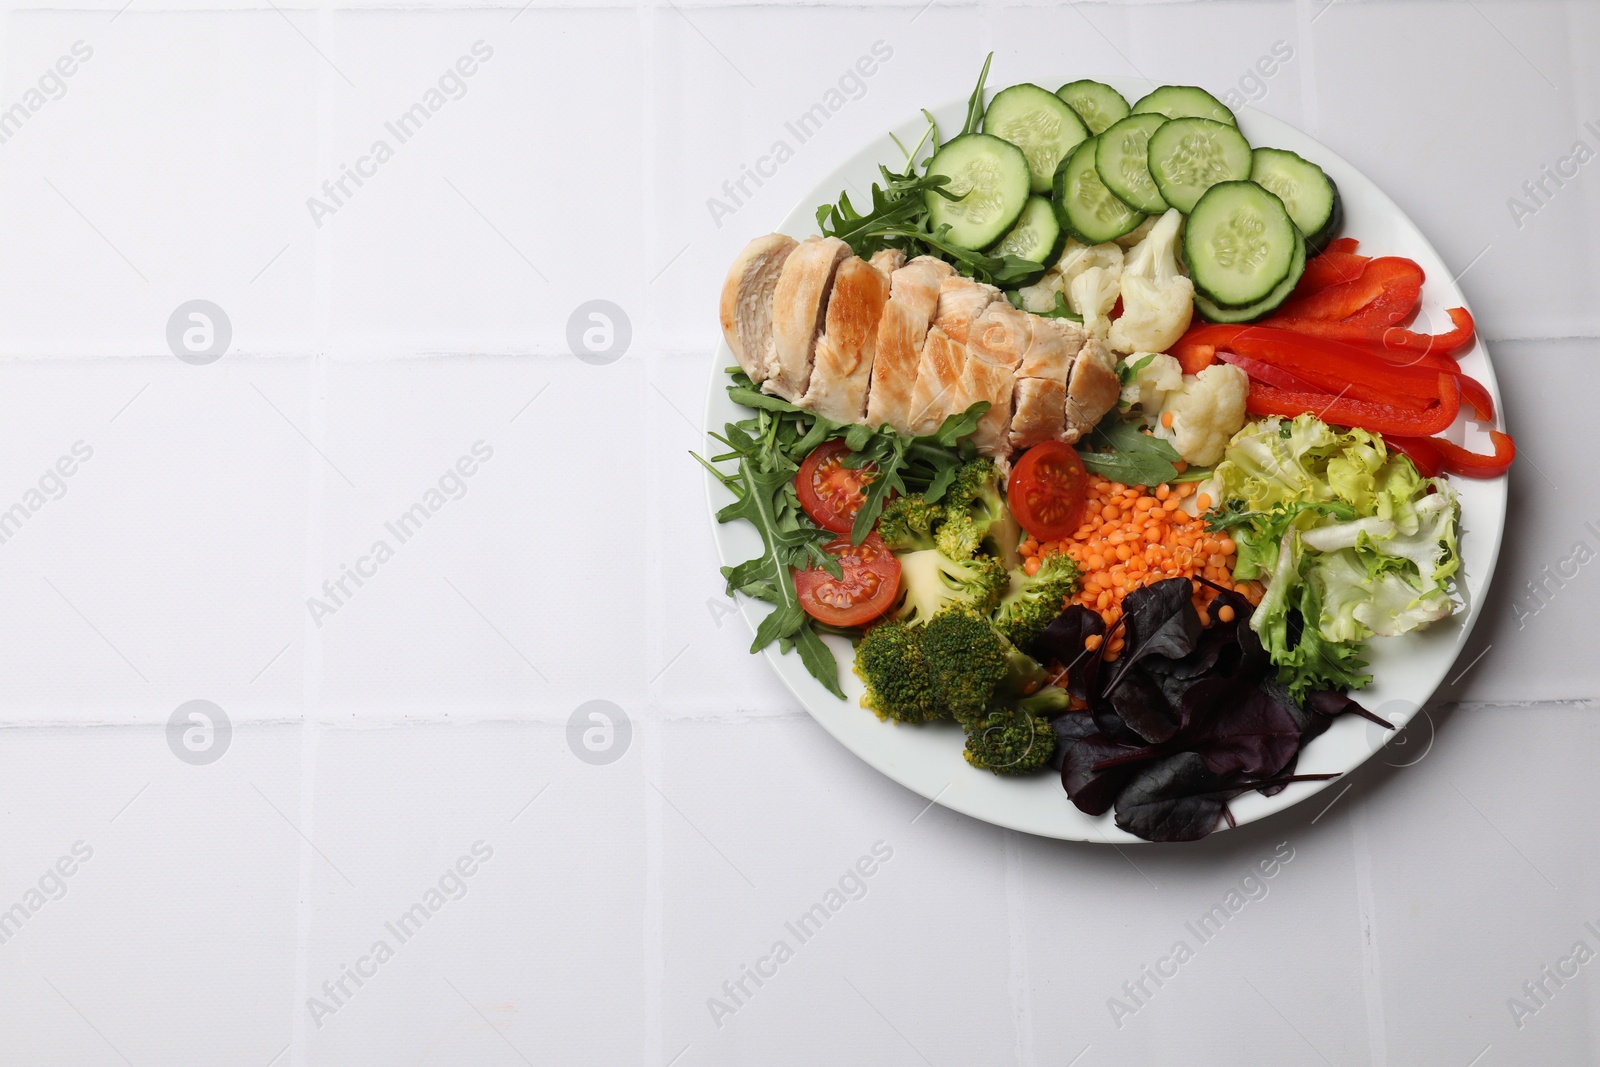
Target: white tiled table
(377, 746)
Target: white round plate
(1406, 670)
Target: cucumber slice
(1083, 203)
(1037, 236)
(1189, 156)
(1039, 123)
(1213, 313)
(1316, 242)
(1097, 104)
(1123, 160)
(1239, 243)
(1184, 102)
(1307, 193)
(990, 176)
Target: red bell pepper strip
(1369, 415)
(1476, 397)
(1434, 454)
(1421, 451)
(1335, 368)
(1330, 268)
(1267, 373)
(1344, 359)
(1344, 245)
(1393, 338)
(1402, 292)
(1386, 292)
(1194, 354)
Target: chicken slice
(901, 330)
(1052, 347)
(961, 301)
(1093, 389)
(918, 282)
(1041, 395)
(913, 299)
(938, 385)
(983, 380)
(842, 368)
(799, 304)
(747, 301)
(1001, 335)
(888, 260)
(1040, 411)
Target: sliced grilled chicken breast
(982, 380)
(918, 282)
(1040, 411)
(1041, 394)
(799, 304)
(1092, 390)
(1051, 348)
(961, 301)
(842, 368)
(913, 299)
(888, 260)
(938, 386)
(746, 310)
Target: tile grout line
(1020, 978)
(311, 667)
(653, 736)
(1366, 908)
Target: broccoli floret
(972, 665)
(933, 582)
(907, 523)
(977, 494)
(958, 537)
(1048, 701)
(1032, 603)
(958, 664)
(890, 661)
(1010, 741)
(976, 491)
(966, 658)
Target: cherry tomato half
(830, 492)
(869, 587)
(1047, 491)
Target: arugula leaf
(769, 448)
(787, 541)
(1062, 310)
(896, 212)
(1133, 457)
(975, 106)
(1126, 370)
(891, 452)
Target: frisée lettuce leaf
(1351, 541)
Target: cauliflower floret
(1139, 232)
(1076, 258)
(1093, 295)
(1206, 413)
(1157, 300)
(1147, 388)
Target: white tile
(172, 168)
(513, 953)
(475, 611)
(1477, 886)
(170, 567)
(1541, 581)
(1451, 143)
(515, 201)
(184, 900)
(761, 821)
